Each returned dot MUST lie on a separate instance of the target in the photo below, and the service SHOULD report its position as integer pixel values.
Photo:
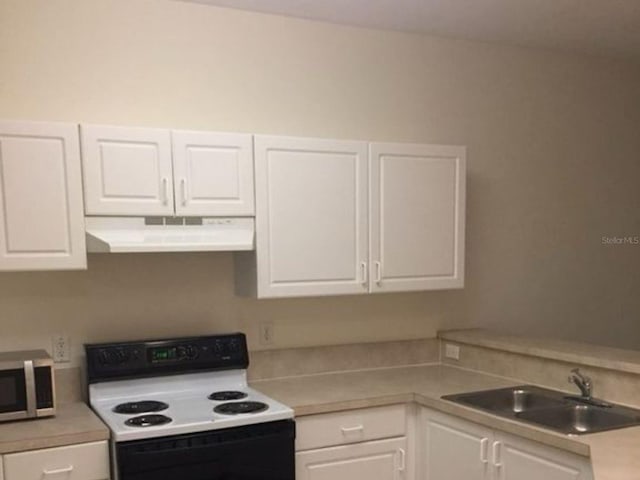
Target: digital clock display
(163, 354)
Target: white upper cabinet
(341, 217)
(417, 217)
(41, 212)
(127, 171)
(213, 173)
(311, 216)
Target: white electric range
(182, 408)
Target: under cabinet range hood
(168, 234)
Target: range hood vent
(158, 234)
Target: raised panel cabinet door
(127, 170)
(520, 459)
(41, 211)
(417, 216)
(379, 460)
(453, 449)
(311, 216)
(213, 173)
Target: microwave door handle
(30, 384)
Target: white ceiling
(603, 27)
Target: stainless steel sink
(510, 400)
(549, 409)
(577, 419)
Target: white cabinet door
(417, 217)
(127, 171)
(379, 460)
(213, 173)
(520, 459)
(41, 212)
(311, 216)
(453, 449)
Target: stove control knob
(192, 352)
(121, 356)
(104, 358)
(234, 346)
(218, 348)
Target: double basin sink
(550, 409)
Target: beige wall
(553, 166)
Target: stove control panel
(110, 361)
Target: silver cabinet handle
(183, 190)
(378, 273)
(58, 471)
(403, 460)
(165, 190)
(484, 450)
(347, 430)
(497, 447)
(363, 273)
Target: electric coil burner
(226, 396)
(143, 406)
(165, 423)
(147, 420)
(238, 408)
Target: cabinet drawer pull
(484, 450)
(348, 430)
(57, 471)
(363, 273)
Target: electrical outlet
(452, 351)
(60, 348)
(266, 333)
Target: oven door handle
(30, 385)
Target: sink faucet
(582, 382)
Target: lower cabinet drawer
(341, 428)
(87, 461)
(377, 460)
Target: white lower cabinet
(368, 444)
(454, 449)
(520, 459)
(86, 461)
(378, 460)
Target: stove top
(188, 405)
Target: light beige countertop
(567, 351)
(614, 454)
(73, 423)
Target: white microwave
(27, 387)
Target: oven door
(263, 451)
